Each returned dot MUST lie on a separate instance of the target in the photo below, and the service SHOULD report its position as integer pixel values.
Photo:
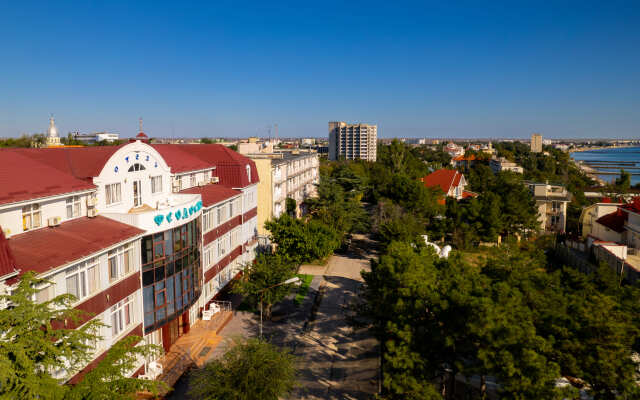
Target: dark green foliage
(290, 206)
(250, 370)
(513, 318)
(301, 241)
(623, 183)
(505, 207)
(258, 278)
(35, 342)
(120, 360)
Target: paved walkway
(334, 361)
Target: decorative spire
(140, 123)
(53, 131)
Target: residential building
(145, 236)
(551, 202)
(353, 141)
(451, 182)
(502, 164)
(91, 138)
(536, 143)
(593, 212)
(454, 150)
(615, 238)
(284, 175)
(464, 162)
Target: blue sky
(421, 69)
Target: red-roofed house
(464, 162)
(145, 236)
(451, 182)
(611, 227)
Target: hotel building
(145, 236)
(284, 175)
(353, 141)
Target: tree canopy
(36, 344)
(249, 370)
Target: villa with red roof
(451, 182)
(145, 236)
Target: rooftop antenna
(275, 128)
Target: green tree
(396, 299)
(259, 278)
(303, 241)
(36, 343)
(120, 361)
(290, 206)
(206, 140)
(250, 370)
(623, 183)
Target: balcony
(174, 210)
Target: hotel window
(112, 192)
(73, 206)
(121, 316)
(77, 282)
(193, 180)
(31, 217)
(45, 294)
(136, 167)
(83, 279)
(120, 262)
(249, 173)
(231, 204)
(156, 184)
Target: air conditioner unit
(215, 179)
(92, 201)
(54, 221)
(92, 213)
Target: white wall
(11, 215)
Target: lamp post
(295, 279)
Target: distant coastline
(602, 148)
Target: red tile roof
(634, 206)
(23, 177)
(472, 157)
(7, 261)
(444, 178)
(80, 162)
(47, 248)
(212, 194)
(467, 194)
(180, 160)
(230, 165)
(142, 135)
(614, 221)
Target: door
(137, 193)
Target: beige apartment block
(536, 143)
(284, 175)
(551, 202)
(353, 141)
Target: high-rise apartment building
(353, 141)
(536, 143)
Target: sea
(612, 161)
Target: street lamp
(289, 281)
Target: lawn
(303, 289)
